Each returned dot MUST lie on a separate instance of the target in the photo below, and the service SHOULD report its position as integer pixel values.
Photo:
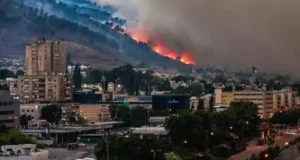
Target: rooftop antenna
(254, 71)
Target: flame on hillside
(159, 48)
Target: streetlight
(286, 143)
(212, 133)
(154, 152)
(230, 127)
(247, 122)
(266, 155)
(185, 141)
(107, 145)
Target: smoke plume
(237, 34)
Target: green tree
(77, 77)
(124, 114)
(201, 104)
(24, 120)
(52, 113)
(139, 116)
(113, 110)
(188, 129)
(5, 73)
(132, 148)
(3, 128)
(69, 61)
(20, 73)
(211, 103)
(245, 117)
(15, 137)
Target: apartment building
(46, 78)
(50, 88)
(45, 57)
(284, 99)
(263, 99)
(9, 109)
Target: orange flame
(140, 38)
(184, 58)
(159, 48)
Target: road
(252, 148)
(64, 154)
(291, 153)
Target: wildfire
(140, 37)
(184, 58)
(159, 48)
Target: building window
(6, 112)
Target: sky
(236, 34)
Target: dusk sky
(237, 34)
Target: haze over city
(149, 80)
(232, 33)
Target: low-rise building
(23, 152)
(94, 112)
(9, 109)
(32, 110)
(157, 121)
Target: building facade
(49, 88)
(46, 78)
(32, 110)
(284, 99)
(263, 99)
(171, 102)
(45, 57)
(94, 112)
(9, 109)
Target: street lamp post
(154, 152)
(107, 146)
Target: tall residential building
(46, 78)
(9, 109)
(268, 102)
(45, 57)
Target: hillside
(104, 47)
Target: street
(252, 148)
(64, 154)
(291, 153)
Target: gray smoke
(237, 34)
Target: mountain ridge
(21, 24)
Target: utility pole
(107, 147)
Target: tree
(139, 116)
(286, 117)
(69, 61)
(77, 77)
(201, 104)
(20, 73)
(113, 109)
(5, 73)
(14, 137)
(189, 129)
(124, 114)
(3, 128)
(211, 103)
(245, 117)
(52, 113)
(24, 120)
(132, 148)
